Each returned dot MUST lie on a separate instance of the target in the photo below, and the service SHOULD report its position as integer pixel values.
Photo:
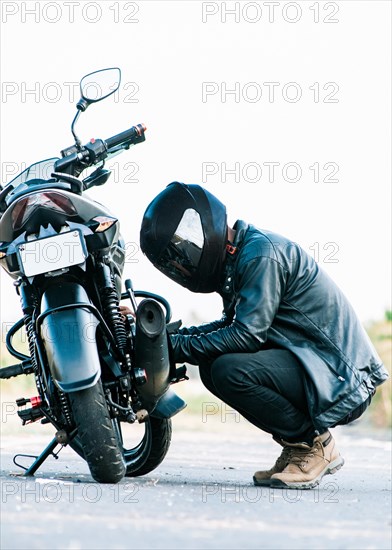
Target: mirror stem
(77, 140)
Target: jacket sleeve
(260, 285)
(205, 328)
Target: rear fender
(68, 334)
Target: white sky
(169, 52)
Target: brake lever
(98, 177)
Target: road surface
(201, 496)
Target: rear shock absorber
(28, 301)
(110, 303)
(28, 321)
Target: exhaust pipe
(152, 355)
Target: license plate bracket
(52, 253)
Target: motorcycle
(98, 373)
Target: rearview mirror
(97, 86)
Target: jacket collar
(227, 281)
(240, 228)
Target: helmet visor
(181, 257)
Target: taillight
(51, 200)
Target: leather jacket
(276, 296)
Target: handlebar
(129, 137)
(76, 159)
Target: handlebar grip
(133, 135)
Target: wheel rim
(136, 447)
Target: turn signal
(104, 222)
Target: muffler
(152, 355)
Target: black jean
(267, 388)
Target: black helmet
(184, 234)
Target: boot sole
(332, 468)
(262, 482)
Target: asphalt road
(201, 496)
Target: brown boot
(263, 477)
(307, 465)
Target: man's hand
(125, 310)
(172, 328)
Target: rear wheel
(144, 445)
(97, 437)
